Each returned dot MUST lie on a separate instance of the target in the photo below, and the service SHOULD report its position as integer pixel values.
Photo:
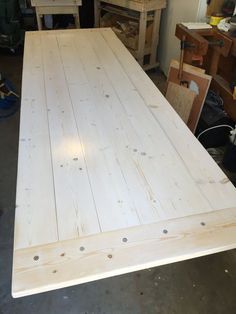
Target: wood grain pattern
(181, 99)
(105, 165)
(78, 261)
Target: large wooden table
(110, 180)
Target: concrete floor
(204, 285)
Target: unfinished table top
(110, 180)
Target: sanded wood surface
(110, 179)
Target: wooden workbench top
(110, 180)
(138, 5)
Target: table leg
(39, 19)
(77, 20)
(97, 13)
(142, 36)
(214, 62)
(155, 36)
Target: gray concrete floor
(204, 285)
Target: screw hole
(125, 240)
(63, 254)
(109, 256)
(36, 257)
(203, 223)
(165, 231)
(82, 248)
(54, 271)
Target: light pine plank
(63, 264)
(214, 184)
(115, 208)
(134, 159)
(35, 201)
(139, 123)
(76, 210)
(106, 114)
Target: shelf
(124, 13)
(147, 51)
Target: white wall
(177, 11)
(202, 9)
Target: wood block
(201, 80)
(181, 99)
(188, 67)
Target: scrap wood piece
(181, 99)
(201, 83)
(187, 67)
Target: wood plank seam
(153, 110)
(167, 135)
(72, 105)
(50, 143)
(112, 168)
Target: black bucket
(229, 160)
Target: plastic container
(216, 18)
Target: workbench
(43, 7)
(110, 179)
(218, 60)
(143, 7)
